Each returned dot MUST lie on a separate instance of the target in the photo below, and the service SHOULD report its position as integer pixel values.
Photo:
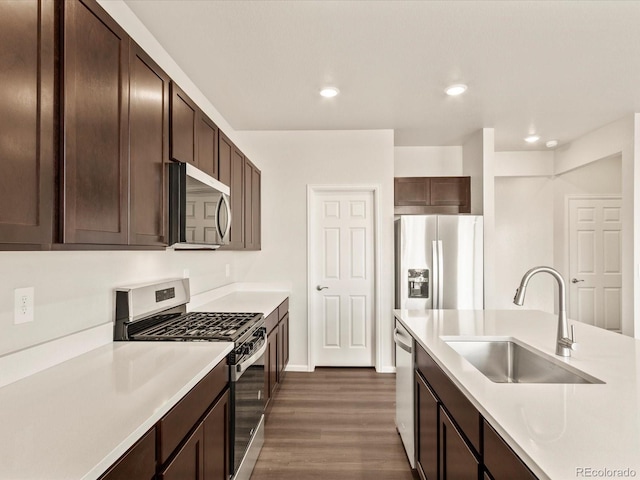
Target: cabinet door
(149, 149)
(251, 206)
(272, 346)
(96, 126)
(225, 149)
(411, 191)
(188, 464)
(207, 136)
(500, 460)
(139, 462)
(451, 191)
(183, 127)
(216, 441)
(283, 346)
(256, 209)
(457, 462)
(248, 204)
(236, 236)
(27, 121)
(426, 421)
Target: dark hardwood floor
(335, 423)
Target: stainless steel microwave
(199, 209)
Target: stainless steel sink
(506, 361)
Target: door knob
(575, 280)
(319, 288)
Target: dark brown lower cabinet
(283, 345)
(139, 462)
(188, 464)
(427, 438)
(501, 462)
(216, 444)
(453, 441)
(457, 462)
(272, 349)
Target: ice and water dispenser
(419, 283)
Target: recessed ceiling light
(532, 138)
(329, 92)
(552, 143)
(454, 90)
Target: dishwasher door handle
(400, 343)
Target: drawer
(139, 461)
(283, 308)
(500, 460)
(177, 423)
(459, 407)
(271, 321)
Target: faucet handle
(571, 342)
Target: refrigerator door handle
(440, 275)
(434, 275)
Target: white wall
(524, 239)
(74, 290)
(472, 161)
(524, 164)
(427, 162)
(292, 160)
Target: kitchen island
(75, 419)
(560, 431)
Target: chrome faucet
(564, 344)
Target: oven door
(248, 402)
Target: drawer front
(283, 308)
(500, 460)
(271, 321)
(177, 423)
(139, 462)
(460, 408)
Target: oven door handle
(242, 367)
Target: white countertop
(246, 302)
(73, 420)
(555, 428)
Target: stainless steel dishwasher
(404, 389)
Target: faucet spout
(564, 344)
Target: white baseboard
(18, 365)
(386, 369)
(297, 368)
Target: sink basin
(508, 361)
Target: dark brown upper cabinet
(96, 126)
(149, 149)
(184, 116)
(27, 122)
(207, 138)
(423, 195)
(225, 150)
(236, 237)
(251, 206)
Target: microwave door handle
(223, 201)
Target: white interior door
(595, 266)
(342, 273)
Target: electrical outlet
(227, 270)
(23, 305)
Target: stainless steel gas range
(157, 312)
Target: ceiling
(556, 68)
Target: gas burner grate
(200, 326)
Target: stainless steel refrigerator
(439, 262)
